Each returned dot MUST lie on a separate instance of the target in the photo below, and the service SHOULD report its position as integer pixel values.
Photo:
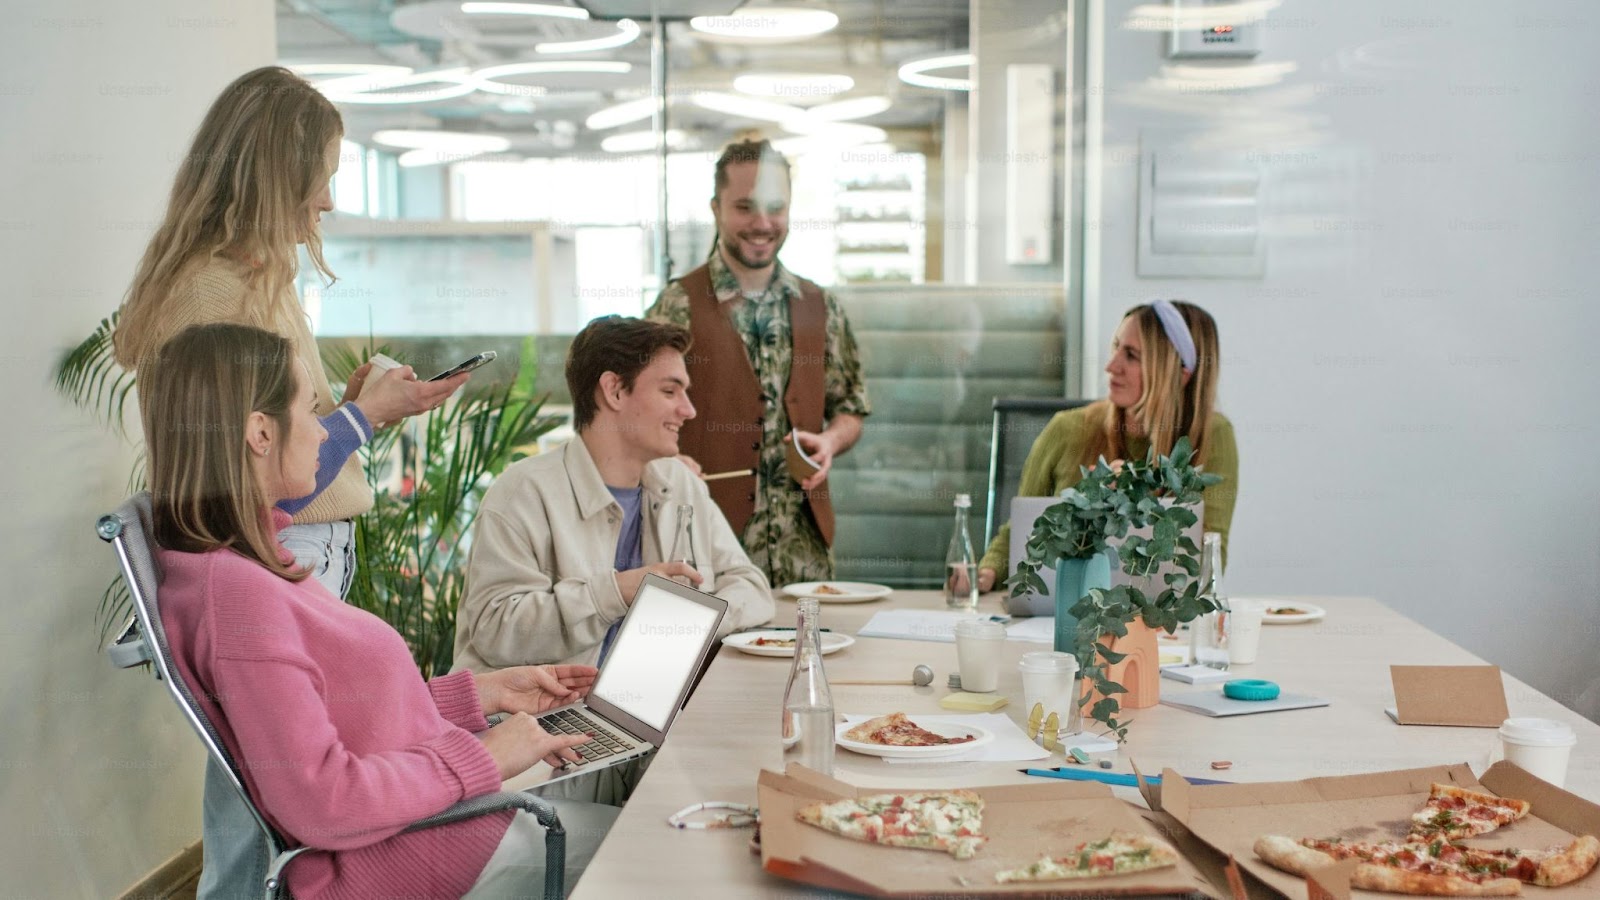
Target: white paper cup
(1244, 636)
(1539, 746)
(978, 654)
(1050, 684)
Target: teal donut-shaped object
(1250, 689)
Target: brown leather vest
(725, 434)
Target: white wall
(1413, 382)
(99, 777)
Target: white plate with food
(1291, 612)
(781, 643)
(873, 737)
(838, 591)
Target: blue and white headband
(1177, 331)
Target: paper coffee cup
(978, 643)
(1244, 636)
(1050, 688)
(1539, 746)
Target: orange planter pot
(1140, 672)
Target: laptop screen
(654, 655)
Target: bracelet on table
(741, 814)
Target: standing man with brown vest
(773, 354)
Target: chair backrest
(1017, 422)
(128, 530)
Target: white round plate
(1301, 612)
(853, 591)
(946, 729)
(745, 642)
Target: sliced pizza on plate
(896, 730)
(1119, 854)
(947, 821)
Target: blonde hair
(198, 394)
(1167, 409)
(243, 191)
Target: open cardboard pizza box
(1023, 822)
(1376, 807)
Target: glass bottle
(807, 702)
(683, 543)
(960, 563)
(1208, 636)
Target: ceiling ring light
(845, 110)
(486, 79)
(792, 85)
(764, 25)
(914, 72)
(390, 90)
(627, 32)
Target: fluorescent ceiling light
(1196, 16)
(639, 141)
(767, 24)
(524, 9)
(485, 78)
(448, 141)
(793, 85)
(912, 72)
(621, 114)
(854, 108)
(745, 107)
(627, 32)
(385, 89)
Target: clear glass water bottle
(807, 702)
(683, 543)
(960, 563)
(1208, 635)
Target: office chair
(144, 640)
(1017, 423)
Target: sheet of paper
(1010, 742)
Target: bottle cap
(963, 501)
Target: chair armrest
(129, 648)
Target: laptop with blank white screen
(664, 639)
(1024, 510)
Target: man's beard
(732, 248)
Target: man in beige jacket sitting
(564, 539)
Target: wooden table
(730, 731)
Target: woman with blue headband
(1163, 386)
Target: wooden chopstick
(736, 473)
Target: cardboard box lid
(1374, 807)
(1449, 695)
(1023, 822)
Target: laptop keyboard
(605, 742)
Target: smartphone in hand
(482, 359)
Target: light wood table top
(729, 732)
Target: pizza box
(1228, 819)
(1023, 822)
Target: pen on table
(736, 473)
(1108, 777)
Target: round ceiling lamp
(433, 148)
(844, 110)
(764, 25)
(640, 141)
(374, 90)
(746, 107)
(524, 9)
(794, 86)
(627, 32)
(346, 70)
(914, 72)
(621, 114)
(488, 79)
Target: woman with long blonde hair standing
(250, 191)
(338, 739)
(1163, 386)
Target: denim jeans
(234, 852)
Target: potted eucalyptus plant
(1158, 493)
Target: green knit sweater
(1052, 467)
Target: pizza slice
(947, 821)
(1454, 813)
(1119, 854)
(772, 642)
(1551, 867)
(896, 730)
(1399, 868)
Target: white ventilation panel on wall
(1199, 214)
(1030, 167)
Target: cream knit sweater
(220, 292)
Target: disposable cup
(1244, 638)
(1050, 688)
(978, 645)
(1539, 746)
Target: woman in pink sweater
(340, 741)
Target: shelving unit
(880, 215)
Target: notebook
(661, 648)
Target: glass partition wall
(512, 170)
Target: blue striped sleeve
(347, 429)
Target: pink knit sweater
(341, 742)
